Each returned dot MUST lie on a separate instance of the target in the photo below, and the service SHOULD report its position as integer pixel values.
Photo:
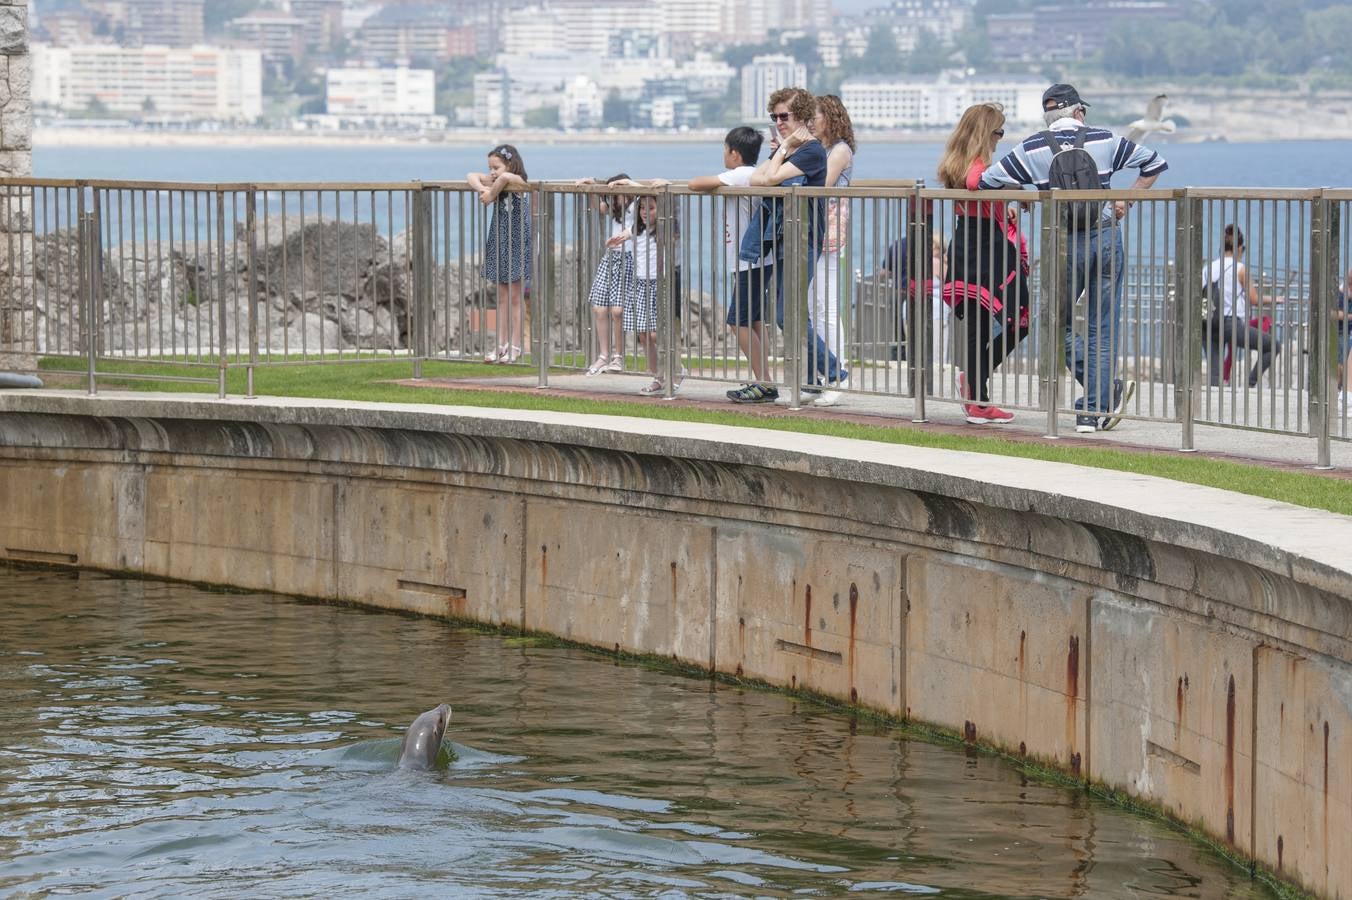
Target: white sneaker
(830, 396)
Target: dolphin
(422, 741)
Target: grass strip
(374, 382)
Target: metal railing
(240, 276)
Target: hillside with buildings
(423, 68)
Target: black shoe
(1087, 424)
(754, 393)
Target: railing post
(421, 242)
(918, 321)
(222, 314)
(1052, 280)
(1187, 318)
(251, 261)
(542, 290)
(667, 351)
(1323, 359)
(795, 248)
(88, 265)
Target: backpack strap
(1052, 144)
(1079, 138)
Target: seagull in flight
(1153, 122)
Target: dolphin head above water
(422, 741)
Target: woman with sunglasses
(986, 282)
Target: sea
(1281, 164)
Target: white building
(197, 82)
(501, 102)
(910, 19)
(766, 74)
(583, 104)
(381, 92)
(915, 103)
(751, 21)
(576, 26)
(700, 20)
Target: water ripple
(160, 741)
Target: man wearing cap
(1096, 257)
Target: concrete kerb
(1305, 545)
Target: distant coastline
(133, 137)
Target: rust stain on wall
(1072, 692)
(854, 614)
(807, 615)
(1230, 761)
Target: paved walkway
(1292, 452)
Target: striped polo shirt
(1030, 163)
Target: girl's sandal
(655, 387)
(512, 355)
(598, 366)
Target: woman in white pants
(832, 127)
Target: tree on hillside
(1329, 37)
(929, 55)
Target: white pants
(825, 305)
(941, 332)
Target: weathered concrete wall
(1200, 668)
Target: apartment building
(167, 23)
(763, 76)
(917, 103)
(189, 82)
(370, 91)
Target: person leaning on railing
(753, 279)
(507, 250)
(1227, 287)
(1096, 257)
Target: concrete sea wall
(1187, 646)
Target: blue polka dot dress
(507, 253)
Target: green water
(157, 740)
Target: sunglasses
(999, 132)
(780, 117)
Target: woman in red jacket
(986, 281)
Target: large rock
(13, 30)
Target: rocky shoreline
(328, 287)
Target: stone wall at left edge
(1201, 673)
(17, 319)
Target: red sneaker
(987, 415)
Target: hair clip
(504, 153)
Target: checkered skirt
(614, 279)
(640, 306)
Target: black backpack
(1074, 169)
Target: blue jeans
(819, 356)
(1095, 268)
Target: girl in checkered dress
(614, 279)
(640, 304)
